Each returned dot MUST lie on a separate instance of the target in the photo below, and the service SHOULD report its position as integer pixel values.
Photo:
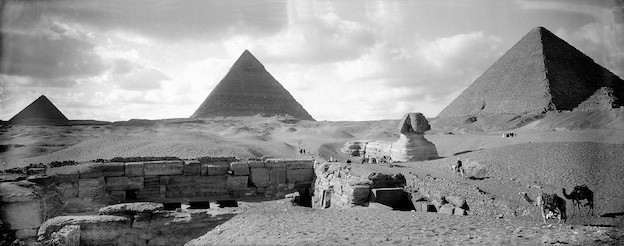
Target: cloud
(174, 19)
(50, 51)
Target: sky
(116, 60)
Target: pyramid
(247, 90)
(40, 112)
(538, 74)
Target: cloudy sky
(342, 60)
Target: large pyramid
(538, 74)
(248, 90)
(40, 112)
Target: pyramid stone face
(40, 112)
(248, 90)
(538, 74)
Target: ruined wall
(338, 186)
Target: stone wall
(131, 224)
(338, 186)
(179, 180)
(83, 189)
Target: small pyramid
(538, 74)
(247, 90)
(40, 112)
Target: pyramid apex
(247, 61)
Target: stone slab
(299, 175)
(236, 182)
(392, 197)
(215, 169)
(67, 177)
(112, 169)
(116, 183)
(164, 168)
(91, 182)
(240, 168)
(192, 167)
(135, 169)
(277, 176)
(253, 164)
(135, 183)
(260, 177)
(446, 209)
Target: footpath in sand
(281, 223)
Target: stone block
(69, 235)
(89, 192)
(164, 168)
(164, 180)
(22, 215)
(300, 164)
(458, 201)
(182, 180)
(213, 169)
(428, 207)
(113, 169)
(135, 169)
(259, 177)
(274, 163)
(89, 173)
(446, 209)
(67, 177)
(192, 167)
(116, 183)
(357, 194)
(299, 175)
(236, 182)
(207, 183)
(277, 175)
(118, 193)
(91, 182)
(240, 168)
(253, 164)
(135, 183)
(392, 197)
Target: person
(459, 168)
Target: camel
(549, 204)
(580, 192)
(458, 168)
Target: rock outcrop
(538, 74)
(248, 90)
(40, 112)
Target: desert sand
(558, 150)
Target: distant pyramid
(538, 74)
(248, 90)
(40, 112)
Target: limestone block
(300, 164)
(67, 177)
(274, 162)
(135, 183)
(236, 182)
(459, 211)
(446, 209)
(116, 183)
(299, 175)
(164, 180)
(69, 235)
(90, 171)
(277, 175)
(22, 215)
(164, 168)
(134, 169)
(113, 169)
(207, 183)
(253, 164)
(240, 168)
(90, 191)
(25, 233)
(192, 167)
(91, 182)
(357, 194)
(458, 201)
(215, 169)
(186, 180)
(260, 177)
(118, 193)
(392, 197)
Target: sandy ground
(281, 223)
(548, 154)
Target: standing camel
(579, 193)
(550, 203)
